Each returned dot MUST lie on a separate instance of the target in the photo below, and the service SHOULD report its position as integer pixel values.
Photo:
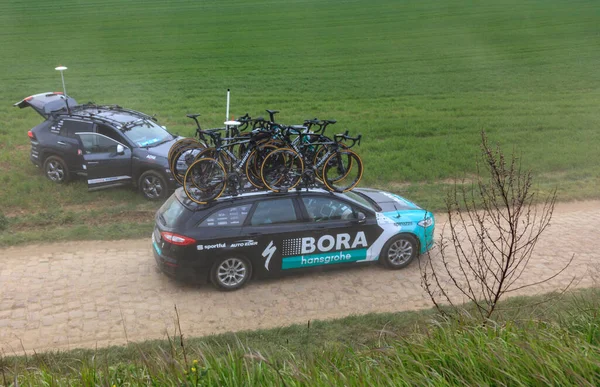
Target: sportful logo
(233, 245)
(210, 247)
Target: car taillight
(31, 135)
(28, 98)
(177, 239)
(59, 92)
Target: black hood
(162, 150)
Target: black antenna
(397, 211)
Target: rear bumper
(172, 268)
(35, 159)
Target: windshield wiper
(157, 143)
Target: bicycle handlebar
(345, 137)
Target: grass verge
(538, 340)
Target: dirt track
(87, 294)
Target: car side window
(109, 132)
(322, 209)
(97, 143)
(68, 128)
(230, 216)
(274, 211)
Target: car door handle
(93, 162)
(61, 143)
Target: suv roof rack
(79, 112)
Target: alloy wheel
(231, 272)
(400, 252)
(152, 187)
(55, 171)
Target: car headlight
(426, 222)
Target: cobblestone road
(87, 294)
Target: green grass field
(419, 79)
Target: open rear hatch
(46, 103)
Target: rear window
(170, 211)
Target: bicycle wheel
(282, 169)
(342, 171)
(319, 154)
(254, 163)
(180, 156)
(205, 180)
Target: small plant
(3, 222)
(494, 225)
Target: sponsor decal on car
(327, 249)
(244, 243)
(151, 157)
(323, 259)
(268, 253)
(108, 179)
(210, 247)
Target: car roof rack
(247, 194)
(76, 112)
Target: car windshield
(361, 199)
(146, 133)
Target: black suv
(108, 145)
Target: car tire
(399, 252)
(230, 273)
(56, 169)
(153, 185)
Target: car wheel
(399, 252)
(153, 185)
(56, 169)
(231, 273)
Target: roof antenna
(397, 211)
(61, 69)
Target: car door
(108, 162)
(275, 223)
(340, 232)
(67, 143)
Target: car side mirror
(361, 218)
(120, 149)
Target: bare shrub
(494, 225)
